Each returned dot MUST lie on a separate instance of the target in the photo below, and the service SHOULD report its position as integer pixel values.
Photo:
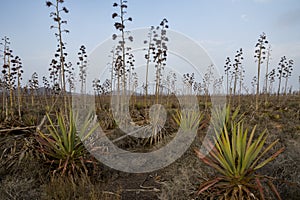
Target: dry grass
(79, 188)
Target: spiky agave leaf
(61, 143)
(188, 120)
(237, 157)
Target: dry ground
(29, 178)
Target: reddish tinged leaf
(208, 184)
(273, 188)
(65, 166)
(260, 188)
(209, 162)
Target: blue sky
(221, 27)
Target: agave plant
(223, 116)
(237, 157)
(188, 120)
(155, 130)
(62, 144)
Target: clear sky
(220, 26)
